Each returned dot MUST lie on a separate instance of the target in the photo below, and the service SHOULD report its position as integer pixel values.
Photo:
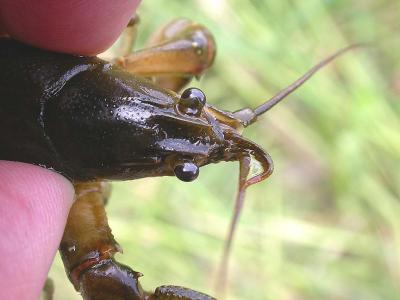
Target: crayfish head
(197, 134)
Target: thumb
(34, 205)
(78, 27)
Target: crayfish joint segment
(110, 280)
(172, 292)
(176, 53)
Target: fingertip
(76, 27)
(34, 205)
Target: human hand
(34, 202)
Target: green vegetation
(326, 225)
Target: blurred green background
(326, 225)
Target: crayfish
(95, 121)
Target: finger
(34, 205)
(78, 27)
(2, 30)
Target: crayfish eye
(186, 171)
(192, 102)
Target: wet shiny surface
(88, 120)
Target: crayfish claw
(111, 280)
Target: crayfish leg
(175, 54)
(48, 289)
(128, 37)
(88, 247)
(125, 42)
(87, 250)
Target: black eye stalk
(192, 102)
(186, 171)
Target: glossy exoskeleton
(93, 121)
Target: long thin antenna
(288, 90)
